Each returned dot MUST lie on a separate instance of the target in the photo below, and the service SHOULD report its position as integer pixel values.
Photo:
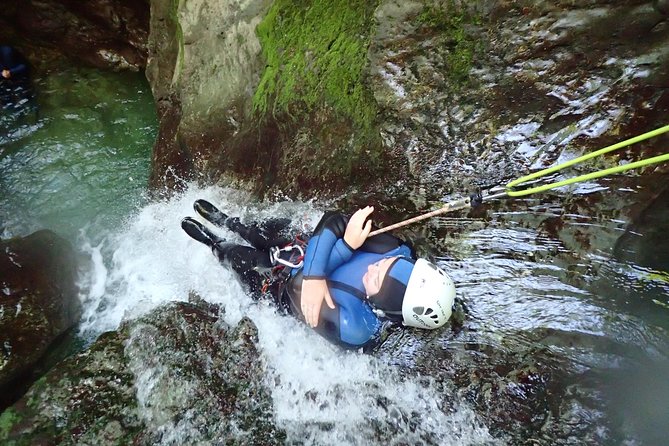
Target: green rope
(600, 173)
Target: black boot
(210, 212)
(198, 232)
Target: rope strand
(509, 188)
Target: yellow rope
(466, 202)
(600, 173)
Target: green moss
(451, 22)
(316, 54)
(659, 276)
(7, 420)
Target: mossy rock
(177, 372)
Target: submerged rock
(38, 304)
(645, 241)
(176, 376)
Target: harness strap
(349, 289)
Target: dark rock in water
(87, 399)
(176, 376)
(38, 303)
(645, 241)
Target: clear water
(78, 156)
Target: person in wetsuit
(15, 86)
(13, 66)
(364, 281)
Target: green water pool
(78, 157)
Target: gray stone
(177, 375)
(38, 302)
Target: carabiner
(275, 256)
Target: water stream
(80, 166)
(321, 394)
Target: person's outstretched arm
(333, 243)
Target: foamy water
(322, 395)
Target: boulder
(38, 303)
(179, 375)
(268, 92)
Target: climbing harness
(275, 255)
(283, 264)
(511, 189)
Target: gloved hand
(476, 199)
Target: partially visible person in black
(14, 65)
(18, 105)
(15, 86)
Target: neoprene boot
(210, 212)
(197, 231)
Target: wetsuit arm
(352, 324)
(18, 69)
(327, 249)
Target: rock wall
(270, 92)
(38, 304)
(109, 34)
(204, 60)
(417, 99)
(436, 96)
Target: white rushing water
(322, 395)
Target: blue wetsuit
(352, 324)
(12, 60)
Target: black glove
(476, 199)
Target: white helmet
(429, 297)
(416, 293)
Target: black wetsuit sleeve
(334, 221)
(326, 249)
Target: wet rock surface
(547, 81)
(109, 34)
(464, 96)
(38, 304)
(177, 375)
(645, 240)
(554, 333)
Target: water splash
(321, 394)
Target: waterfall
(321, 394)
